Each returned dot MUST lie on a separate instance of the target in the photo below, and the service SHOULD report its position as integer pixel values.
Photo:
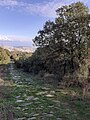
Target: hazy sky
(20, 20)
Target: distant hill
(19, 48)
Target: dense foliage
(16, 55)
(63, 45)
(19, 57)
(4, 56)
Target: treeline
(63, 45)
(4, 56)
(18, 55)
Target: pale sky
(20, 20)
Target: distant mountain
(19, 48)
(15, 43)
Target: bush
(4, 56)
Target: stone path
(33, 100)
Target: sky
(20, 20)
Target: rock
(35, 115)
(30, 98)
(42, 93)
(18, 108)
(36, 98)
(32, 118)
(26, 104)
(50, 115)
(45, 88)
(21, 118)
(44, 113)
(56, 101)
(52, 92)
(24, 109)
(18, 96)
(49, 95)
(19, 101)
(58, 118)
(26, 113)
(64, 92)
(51, 106)
(51, 112)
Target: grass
(30, 101)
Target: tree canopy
(69, 34)
(63, 44)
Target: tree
(4, 56)
(74, 23)
(68, 36)
(62, 46)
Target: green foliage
(16, 55)
(63, 45)
(32, 64)
(67, 37)
(4, 56)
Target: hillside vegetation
(63, 47)
(4, 56)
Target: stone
(30, 98)
(18, 108)
(32, 118)
(50, 115)
(41, 93)
(18, 96)
(52, 92)
(36, 98)
(35, 115)
(58, 118)
(26, 104)
(21, 118)
(49, 95)
(24, 109)
(19, 101)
